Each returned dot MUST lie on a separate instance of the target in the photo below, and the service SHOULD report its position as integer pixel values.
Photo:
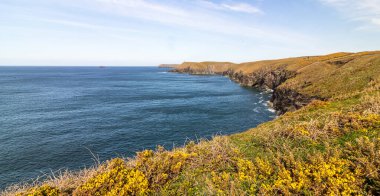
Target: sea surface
(54, 118)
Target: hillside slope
(330, 145)
(298, 81)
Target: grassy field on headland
(325, 141)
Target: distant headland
(168, 65)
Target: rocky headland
(168, 65)
(293, 81)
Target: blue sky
(150, 32)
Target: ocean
(55, 118)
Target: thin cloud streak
(89, 25)
(367, 11)
(235, 7)
(197, 18)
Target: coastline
(294, 82)
(260, 80)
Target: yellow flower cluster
(221, 181)
(253, 175)
(162, 166)
(264, 168)
(246, 170)
(358, 121)
(301, 129)
(44, 190)
(117, 180)
(318, 176)
(148, 173)
(324, 177)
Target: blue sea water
(52, 117)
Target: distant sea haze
(52, 117)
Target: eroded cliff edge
(294, 82)
(282, 100)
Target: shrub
(117, 180)
(44, 190)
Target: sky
(151, 32)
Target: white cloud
(376, 21)
(367, 11)
(242, 7)
(232, 6)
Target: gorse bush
(44, 190)
(118, 179)
(319, 176)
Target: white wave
(256, 110)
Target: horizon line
(102, 66)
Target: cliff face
(282, 100)
(296, 82)
(263, 78)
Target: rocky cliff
(282, 100)
(295, 82)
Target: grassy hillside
(298, 81)
(330, 146)
(337, 73)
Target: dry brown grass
(66, 181)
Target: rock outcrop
(283, 100)
(263, 78)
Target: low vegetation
(330, 146)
